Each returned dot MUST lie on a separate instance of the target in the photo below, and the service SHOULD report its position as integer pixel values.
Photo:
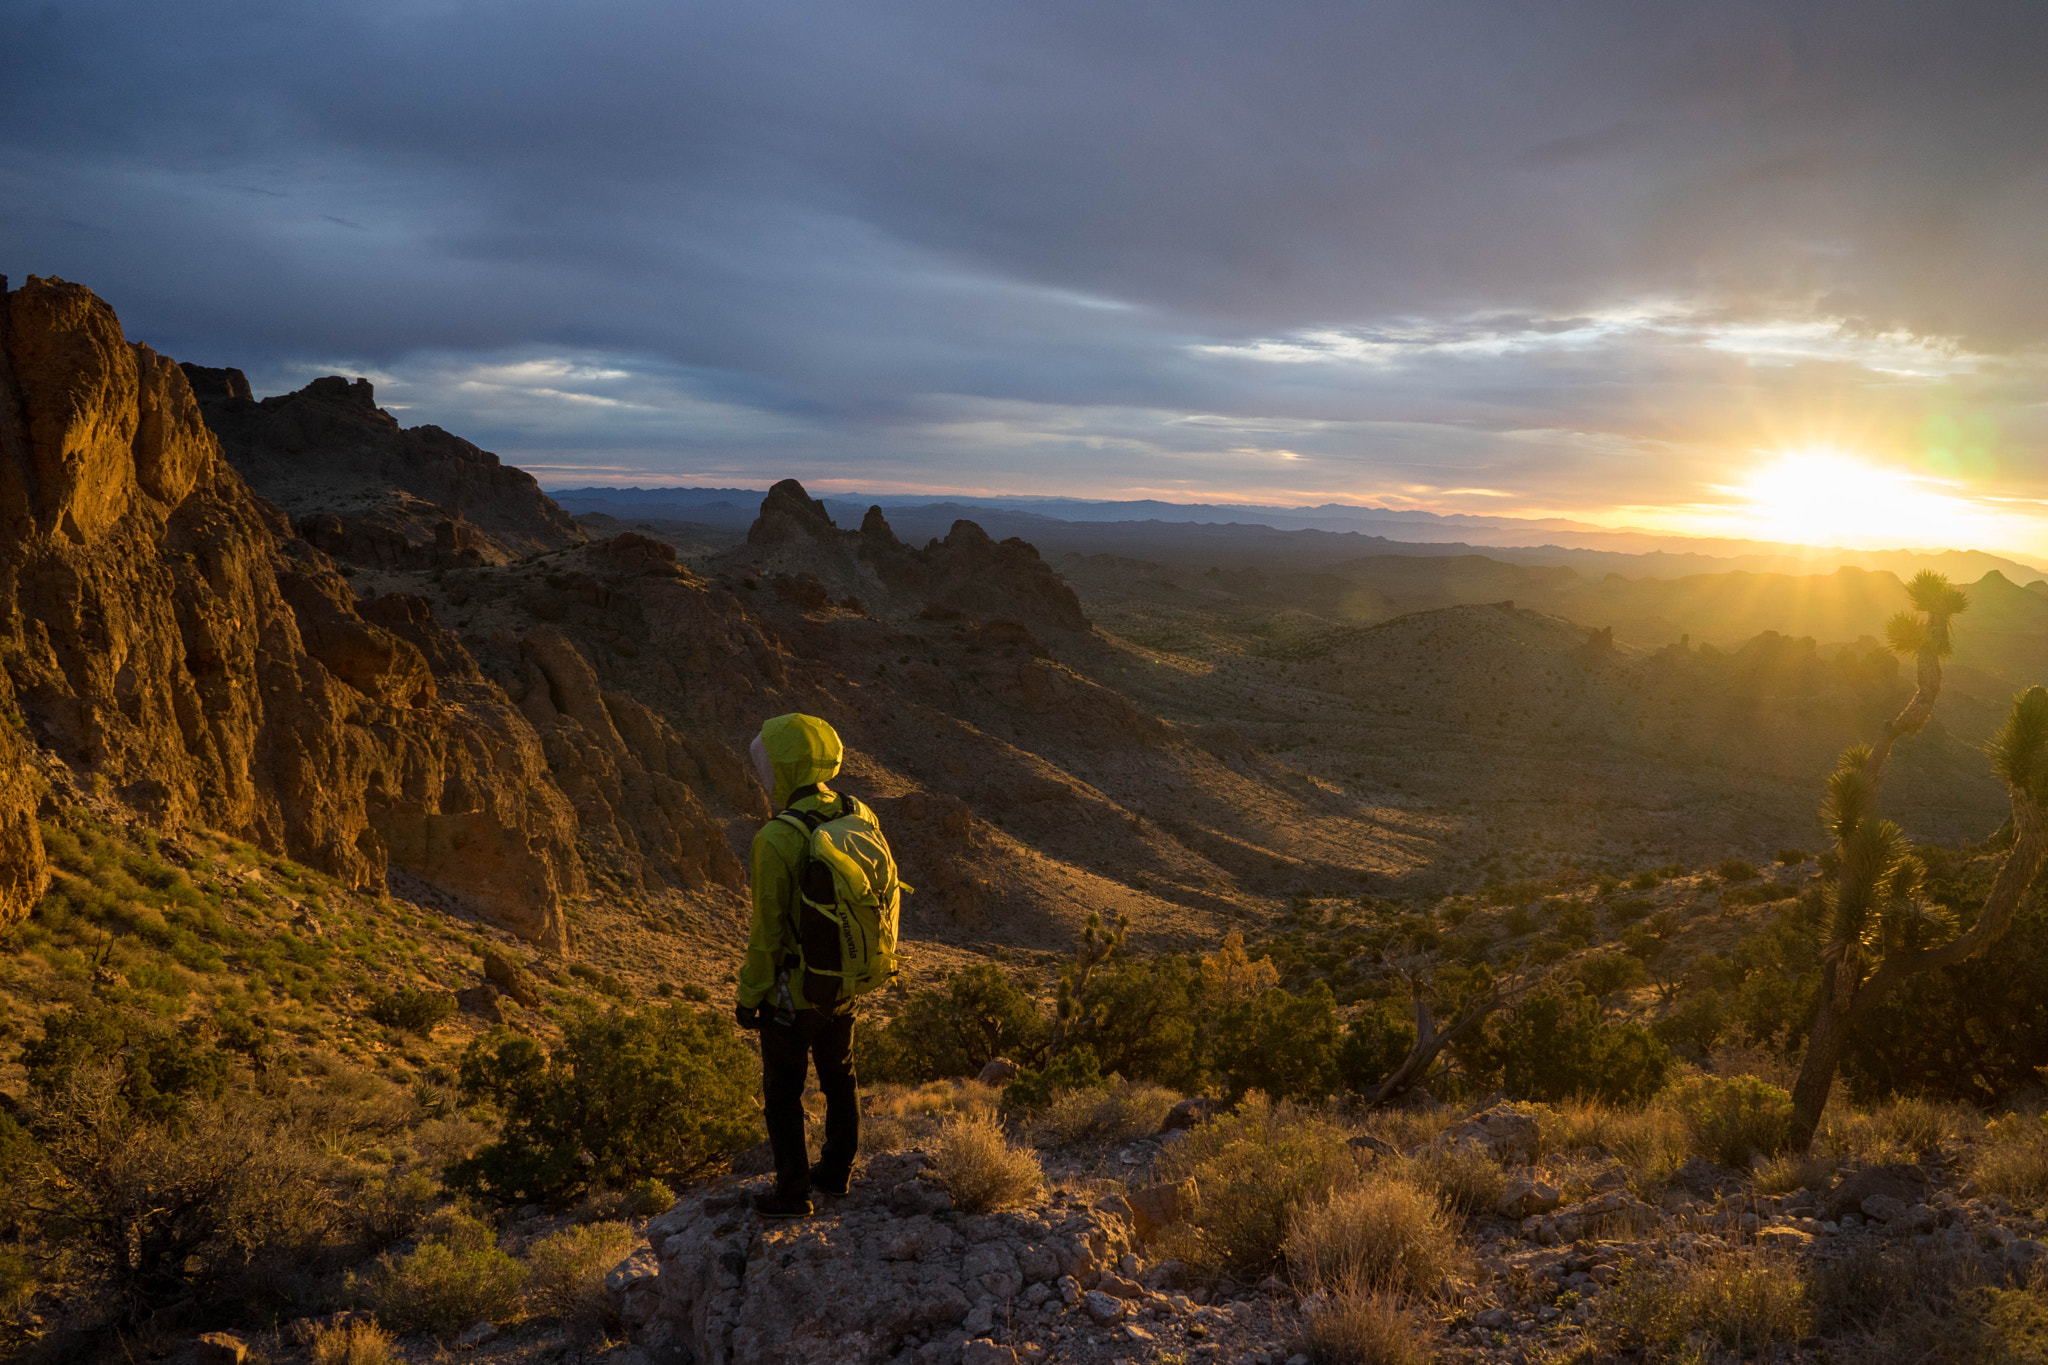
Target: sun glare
(1827, 498)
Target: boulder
(999, 1071)
(510, 978)
(1189, 1112)
(220, 1348)
(1506, 1134)
(1525, 1197)
(481, 1001)
(1905, 1184)
(857, 1282)
(1159, 1206)
(1702, 1179)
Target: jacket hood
(801, 750)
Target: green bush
(414, 1011)
(645, 1198)
(1376, 1041)
(666, 1091)
(456, 1277)
(1735, 870)
(1282, 1044)
(1602, 974)
(979, 1015)
(1734, 1118)
(1574, 919)
(159, 1068)
(1075, 1068)
(1693, 1026)
(1554, 1045)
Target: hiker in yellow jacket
(794, 756)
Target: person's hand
(749, 1016)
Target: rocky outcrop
(164, 638)
(364, 489)
(967, 574)
(890, 1273)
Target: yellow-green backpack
(849, 900)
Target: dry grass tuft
(1354, 1326)
(1651, 1142)
(2012, 1159)
(1382, 1237)
(357, 1342)
(981, 1168)
(1465, 1179)
(1255, 1166)
(1745, 1300)
(1794, 1171)
(567, 1273)
(1126, 1109)
(1411, 1128)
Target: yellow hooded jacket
(802, 751)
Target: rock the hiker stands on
(889, 1275)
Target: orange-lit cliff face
(170, 645)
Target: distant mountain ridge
(1309, 536)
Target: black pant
(786, 1055)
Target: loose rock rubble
(893, 1274)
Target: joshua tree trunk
(1862, 962)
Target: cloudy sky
(1756, 268)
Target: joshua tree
(1879, 928)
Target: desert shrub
(356, 1341)
(1693, 1025)
(1142, 1017)
(1908, 1304)
(567, 1269)
(979, 1015)
(159, 1069)
(1125, 1109)
(1376, 1041)
(1254, 1167)
(2012, 1159)
(665, 1091)
(1735, 870)
(1645, 879)
(1792, 857)
(1359, 1327)
(1629, 909)
(646, 1198)
(1464, 1179)
(414, 1011)
(1074, 1068)
(174, 1209)
(1554, 1045)
(455, 1277)
(1518, 921)
(1573, 919)
(1602, 974)
(1744, 1300)
(981, 1168)
(1973, 1032)
(1733, 1118)
(1282, 1044)
(388, 1209)
(1386, 1236)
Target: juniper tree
(1879, 929)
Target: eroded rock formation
(163, 636)
(364, 489)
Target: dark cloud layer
(1025, 243)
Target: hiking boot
(828, 1182)
(773, 1205)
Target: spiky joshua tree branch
(1879, 928)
